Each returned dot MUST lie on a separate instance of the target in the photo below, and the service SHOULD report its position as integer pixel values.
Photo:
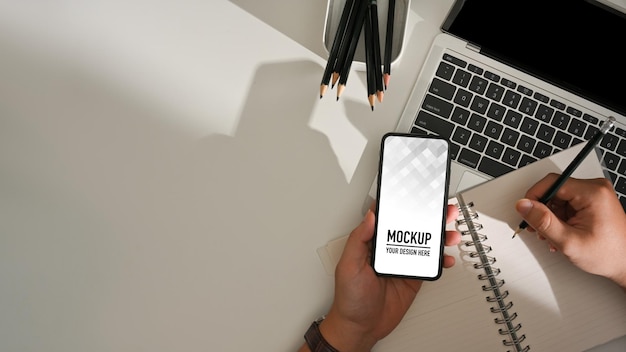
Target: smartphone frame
(382, 179)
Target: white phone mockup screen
(411, 206)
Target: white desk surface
(168, 170)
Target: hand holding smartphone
(411, 206)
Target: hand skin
(585, 221)
(368, 307)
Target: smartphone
(411, 206)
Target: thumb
(357, 247)
(541, 219)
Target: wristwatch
(315, 340)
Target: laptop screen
(574, 44)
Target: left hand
(368, 307)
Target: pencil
(347, 39)
(370, 72)
(356, 33)
(388, 43)
(373, 14)
(339, 37)
(551, 192)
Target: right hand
(585, 221)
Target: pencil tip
(323, 88)
(372, 108)
(386, 78)
(519, 229)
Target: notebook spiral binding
(468, 226)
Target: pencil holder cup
(334, 10)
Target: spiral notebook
(507, 294)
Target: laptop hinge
(473, 47)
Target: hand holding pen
(584, 221)
(554, 188)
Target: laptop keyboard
(496, 125)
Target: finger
(539, 189)
(357, 247)
(542, 220)
(452, 213)
(452, 238)
(448, 261)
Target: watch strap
(316, 341)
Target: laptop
(512, 82)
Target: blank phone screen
(411, 206)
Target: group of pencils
(359, 15)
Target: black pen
(551, 192)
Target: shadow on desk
(273, 192)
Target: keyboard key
(463, 97)
(478, 143)
(454, 60)
(477, 123)
(591, 119)
(511, 156)
(494, 149)
(509, 137)
(545, 133)
(496, 111)
(493, 168)
(524, 90)
(562, 140)
(511, 85)
(542, 98)
(475, 69)
(620, 186)
(609, 141)
(479, 105)
(495, 92)
(437, 106)
(445, 71)
(560, 120)
(417, 130)
(529, 125)
(462, 135)
(442, 89)
(469, 158)
(462, 78)
(591, 131)
(512, 118)
(454, 150)
(492, 76)
(544, 113)
(557, 104)
(526, 159)
(434, 124)
(575, 112)
(611, 161)
(621, 149)
(478, 85)
(542, 150)
(528, 106)
(493, 130)
(511, 99)
(460, 116)
(526, 144)
(577, 127)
